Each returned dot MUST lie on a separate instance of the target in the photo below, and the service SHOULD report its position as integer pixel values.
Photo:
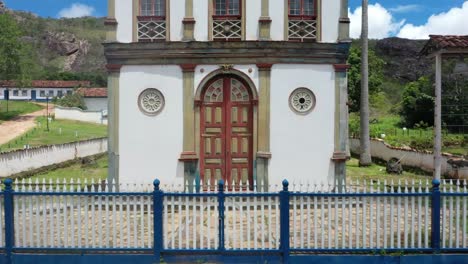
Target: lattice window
(302, 30)
(227, 29)
(239, 92)
(214, 93)
(151, 30)
(227, 20)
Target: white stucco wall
(276, 11)
(96, 104)
(330, 20)
(23, 160)
(150, 146)
(74, 113)
(177, 14)
(412, 158)
(124, 17)
(253, 12)
(200, 14)
(302, 145)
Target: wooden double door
(226, 143)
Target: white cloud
(381, 22)
(76, 10)
(453, 22)
(405, 8)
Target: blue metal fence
(341, 235)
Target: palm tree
(365, 156)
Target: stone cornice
(245, 52)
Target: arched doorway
(226, 131)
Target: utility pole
(47, 112)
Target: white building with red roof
(39, 90)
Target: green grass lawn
(16, 108)
(96, 169)
(376, 172)
(421, 139)
(60, 131)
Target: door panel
(226, 131)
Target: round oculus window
(151, 101)
(302, 100)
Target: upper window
(227, 20)
(302, 24)
(302, 8)
(153, 8)
(227, 8)
(152, 20)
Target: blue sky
(407, 18)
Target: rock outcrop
(66, 44)
(3, 7)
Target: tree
(15, 56)
(376, 77)
(418, 103)
(14, 62)
(365, 156)
(71, 100)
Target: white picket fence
(75, 214)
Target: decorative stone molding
(241, 52)
(264, 66)
(339, 156)
(151, 101)
(302, 101)
(110, 21)
(188, 156)
(341, 67)
(188, 67)
(113, 67)
(226, 67)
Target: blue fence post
(284, 221)
(157, 220)
(435, 231)
(221, 215)
(9, 226)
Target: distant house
(95, 98)
(39, 90)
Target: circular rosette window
(302, 101)
(151, 101)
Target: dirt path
(20, 124)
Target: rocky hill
(403, 62)
(59, 45)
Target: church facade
(249, 91)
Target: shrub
(72, 100)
